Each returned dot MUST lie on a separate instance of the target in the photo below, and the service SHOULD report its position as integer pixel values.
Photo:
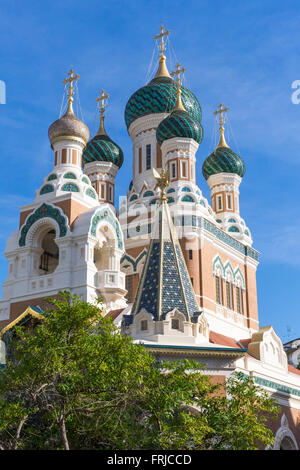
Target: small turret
(223, 169)
(102, 158)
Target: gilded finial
(103, 100)
(162, 68)
(221, 111)
(163, 181)
(69, 80)
(178, 73)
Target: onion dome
(179, 123)
(159, 96)
(102, 148)
(69, 125)
(223, 159)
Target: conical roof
(165, 282)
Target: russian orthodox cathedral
(175, 271)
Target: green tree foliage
(77, 383)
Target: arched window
(187, 199)
(232, 220)
(50, 253)
(85, 180)
(202, 202)
(70, 176)
(134, 197)
(52, 177)
(48, 188)
(148, 193)
(91, 193)
(246, 233)
(170, 200)
(153, 201)
(171, 190)
(233, 229)
(186, 189)
(70, 187)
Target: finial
(163, 181)
(221, 111)
(162, 68)
(69, 80)
(103, 100)
(178, 73)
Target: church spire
(221, 111)
(162, 70)
(103, 100)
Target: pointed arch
(218, 268)
(107, 215)
(228, 269)
(238, 276)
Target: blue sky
(243, 53)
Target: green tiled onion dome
(102, 149)
(159, 96)
(223, 160)
(179, 124)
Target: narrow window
(219, 203)
(192, 172)
(144, 325)
(148, 157)
(175, 324)
(140, 160)
(129, 287)
(239, 299)
(183, 169)
(229, 294)
(229, 201)
(219, 292)
(192, 281)
(190, 254)
(102, 192)
(111, 194)
(158, 156)
(173, 170)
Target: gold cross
(162, 45)
(103, 96)
(162, 182)
(72, 78)
(221, 110)
(179, 74)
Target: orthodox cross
(179, 74)
(72, 78)
(221, 110)
(101, 99)
(162, 45)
